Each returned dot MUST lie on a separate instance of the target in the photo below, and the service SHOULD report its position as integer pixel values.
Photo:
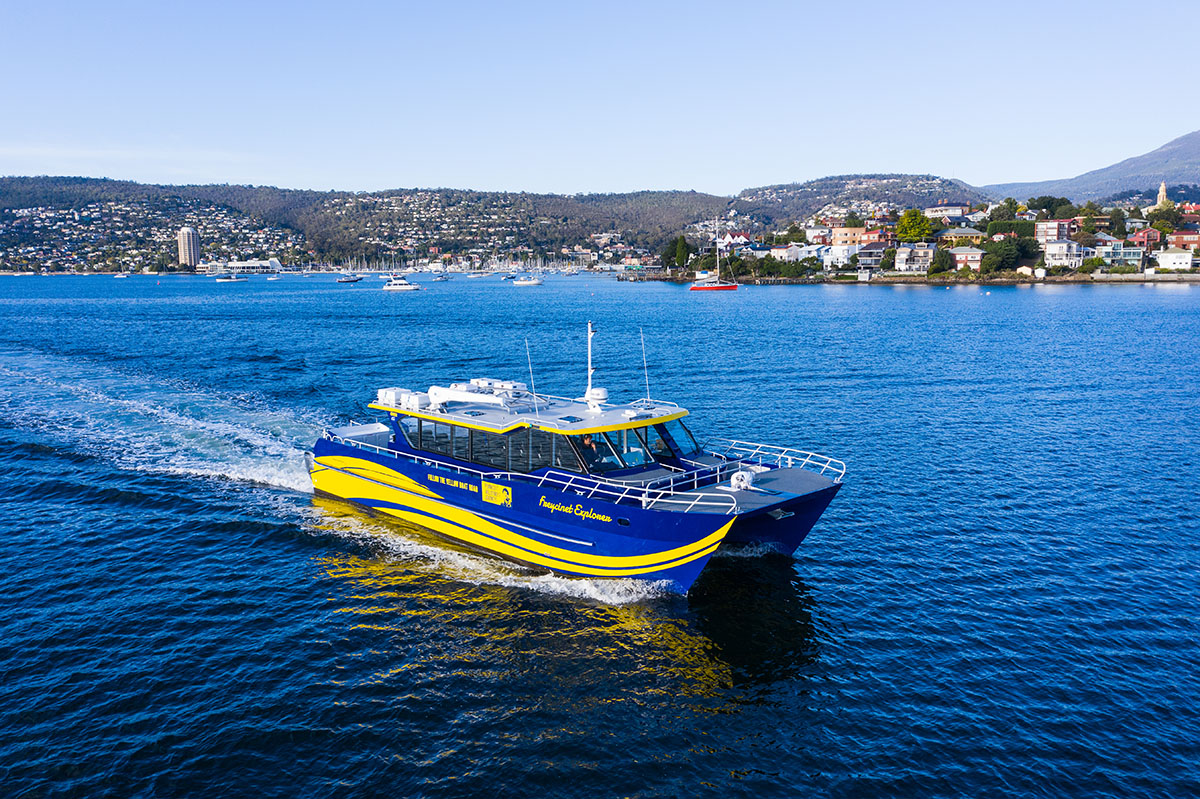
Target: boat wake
(149, 425)
(142, 424)
(416, 549)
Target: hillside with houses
(1043, 237)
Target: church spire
(1162, 195)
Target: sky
(576, 97)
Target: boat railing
(648, 496)
(656, 496)
(771, 455)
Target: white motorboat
(399, 283)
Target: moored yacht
(400, 283)
(579, 487)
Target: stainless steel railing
(655, 496)
(771, 455)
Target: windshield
(680, 437)
(597, 453)
(631, 447)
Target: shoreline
(879, 280)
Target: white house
(818, 234)
(839, 255)
(1174, 258)
(938, 211)
(1065, 253)
(914, 257)
(786, 252)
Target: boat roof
(500, 406)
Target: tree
(1117, 218)
(1047, 203)
(1005, 254)
(1085, 238)
(1169, 215)
(1005, 211)
(853, 220)
(942, 262)
(796, 234)
(888, 261)
(914, 226)
(682, 251)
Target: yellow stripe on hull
(472, 529)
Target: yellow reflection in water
(450, 612)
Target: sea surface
(1003, 600)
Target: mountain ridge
(1176, 162)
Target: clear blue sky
(585, 96)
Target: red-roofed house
(883, 236)
(1146, 237)
(1184, 239)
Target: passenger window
(541, 449)
(518, 450)
(435, 437)
(564, 455)
(462, 443)
(409, 427)
(489, 449)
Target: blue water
(1002, 601)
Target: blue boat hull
(786, 533)
(535, 525)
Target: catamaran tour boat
(579, 487)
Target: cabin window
(408, 425)
(462, 444)
(518, 450)
(541, 449)
(678, 435)
(565, 456)
(598, 453)
(436, 437)
(654, 443)
(631, 448)
(489, 449)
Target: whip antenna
(645, 369)
(532, 384)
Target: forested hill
(782, 203)
(339, 224)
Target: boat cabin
(502, 425)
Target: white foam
(142, 424)
(154, 426)
(469, 567)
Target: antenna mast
(645, 369)
(591, 332)
(532, 384)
